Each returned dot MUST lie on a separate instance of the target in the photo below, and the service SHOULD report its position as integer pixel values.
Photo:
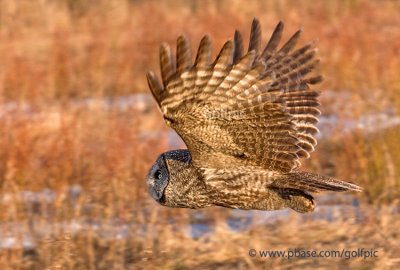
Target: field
(78, 133)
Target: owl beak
(152, 189)
(151, 182)
(156, 194)
(151, 186)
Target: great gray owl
(246, 119)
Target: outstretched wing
(243, 109)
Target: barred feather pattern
(265, 94)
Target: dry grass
(75, 48)
(54, 53)
(169, 246)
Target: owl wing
(243, 109)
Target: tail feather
(313, 183)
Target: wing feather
(221, 68)
(273, 42)
(249, 110)
(183, 55)
(291, 43)
(155, 86)
(238, 41)
(167, 63)
(255, 36)
(203, 58)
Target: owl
(247, 118)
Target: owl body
(246, 118)
(185, 186)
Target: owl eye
(158, 175)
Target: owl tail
(314, 183)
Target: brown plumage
(246, 118)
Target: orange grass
(168, 248)
(80, 48)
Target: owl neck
(190, 192)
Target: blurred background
(79, 131)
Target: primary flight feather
(246, 118)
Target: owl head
(168, 167)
